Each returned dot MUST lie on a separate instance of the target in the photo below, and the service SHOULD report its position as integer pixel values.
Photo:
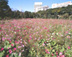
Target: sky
(28, 5)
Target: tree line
(56, 13)
(59, 13)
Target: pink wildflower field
(36, 38)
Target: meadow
(36, 38)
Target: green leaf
(14, 55)
(62, 49)
(2, 53)
(53, 50)
(7, 46)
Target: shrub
(70, 17)
(66, 16)
(0, 18)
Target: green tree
(5, 10)
(27, 14)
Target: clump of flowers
(36, 38)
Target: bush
(0, 18)
(66, 16)
(70, 17)
(60, 17)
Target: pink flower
(66, 32)
(30, 38)
(22, 45)
(47, 51)
(19, 46)
(68, 36)
(6, 35)
(56, 53)
(10, 51)
(7, 55)
(68, 47)
(0, 30)
(45, 28)
(53, 38)
(14, 49)
(12, 45)
(9, 41)
(60, 53)
(37, 32)
(62, 56)
(2, 49)
(52, 54)
(43, 44)
(57, 56)
(16, 42)
(3, 39)
(8, 48)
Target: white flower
(20, 54)
(51, 36)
